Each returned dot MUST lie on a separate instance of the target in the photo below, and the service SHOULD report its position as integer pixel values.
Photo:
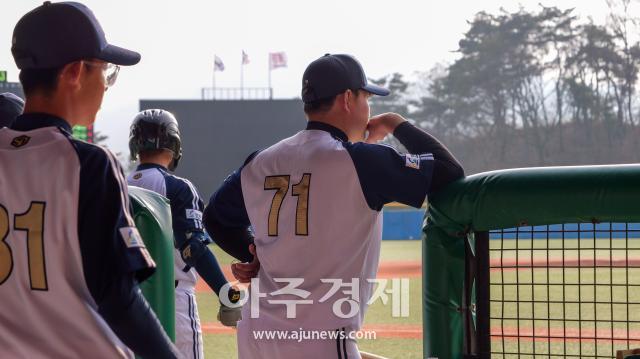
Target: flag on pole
(277, 59)
(218, 65)
(245, 58)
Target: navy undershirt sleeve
(226, 217)
(446, 168)
(109, 242)
(389, 176)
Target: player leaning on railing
(314, 203)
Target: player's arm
(188, 230)
(235, 241)
(114, 258)
(226, 218)
(389, 176)
(446, 167)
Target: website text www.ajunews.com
(300, 335)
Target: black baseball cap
(331, 75)
(11, 106)
(55, 34)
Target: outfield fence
(534, 263)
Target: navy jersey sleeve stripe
(388, 176)
(105, 225)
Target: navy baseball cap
(11, 106)
(331, 75)
(55, 34)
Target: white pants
(188, 331)
(251, 348)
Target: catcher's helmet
(153, 130)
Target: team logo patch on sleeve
(194, 214)
(131, 237)
(413, 161)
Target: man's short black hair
(319, 106)
(43, 80)
(323, 105)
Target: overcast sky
(178, 40)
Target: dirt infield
(387, 269)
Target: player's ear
(347, 99)
(71, 74)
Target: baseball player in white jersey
(314, 202)
(70, 255)
(155, 140)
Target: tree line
(532, 88)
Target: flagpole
(270, 89)
(213, 82)
(242, 77)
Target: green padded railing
(507, 199)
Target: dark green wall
(217, 136)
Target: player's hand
(381, 125)
(243, 272)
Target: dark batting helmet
(154, 130)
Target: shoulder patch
(137, 176)
(413, 161)
(194, 214)
(131, 237)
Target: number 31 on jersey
(32, 222)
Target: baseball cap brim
(119, 56)
(376, 90)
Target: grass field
(224, 345)
(548, 308)
(587, 304)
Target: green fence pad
(152, 216)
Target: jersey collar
(32, 121)
(146, 166)
(334, 131)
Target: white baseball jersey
(66, 233)
(314, 201)
(186, 216)
(186, 208)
